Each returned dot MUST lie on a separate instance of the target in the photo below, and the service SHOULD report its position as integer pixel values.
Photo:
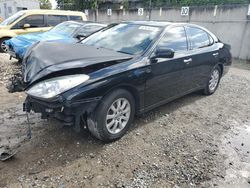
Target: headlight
(52, 87)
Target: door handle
(215, 54)
(187, 61)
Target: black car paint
(48, 58)
(152, 82)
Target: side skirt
(144, 110)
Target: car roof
(94, 23)
(45, 11)
(165, 24)
(149, 23)
(75, 22)
(161, 23)
(85, 23)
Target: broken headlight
(52, 87)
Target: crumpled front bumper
(67, 112)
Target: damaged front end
(47, 97)
(67, 113)
(60, 85)
(16, 82)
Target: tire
(105, 118)
(2, 50)
(213, 81)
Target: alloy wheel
(118, 115)
(214, 80)
(4, 46)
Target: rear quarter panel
(225, 57)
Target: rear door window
(198, 37)
(53, 20)
(175, 38)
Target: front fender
(131, 80)
(6, 33)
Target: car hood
(49, 57)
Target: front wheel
(3, 46)
(113, 116)
(213, 81)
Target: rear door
(170, 76)
(53, 20)
(204, 54)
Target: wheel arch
(7, 34)
(4, 37)
(221, 66)
(131, 89)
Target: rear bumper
(66, 112)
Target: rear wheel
(213, 81)
(3, 46)
(113, 116)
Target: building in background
(10, 7)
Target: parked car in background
(126, 70)
(29, 21)
(67, 32)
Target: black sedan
(128, 69)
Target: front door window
(35, 21)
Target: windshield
(66, 28)
(127, 38)
(13, 18)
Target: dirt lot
(195, 141)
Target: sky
(53, 3)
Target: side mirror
(25, 26)
(162, 52)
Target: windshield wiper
(125, 52)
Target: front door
(36, 22)
(170, 76)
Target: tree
(45, 4)
(158, 3)
(79, 5)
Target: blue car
(66, 32)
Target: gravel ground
(195, 141)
